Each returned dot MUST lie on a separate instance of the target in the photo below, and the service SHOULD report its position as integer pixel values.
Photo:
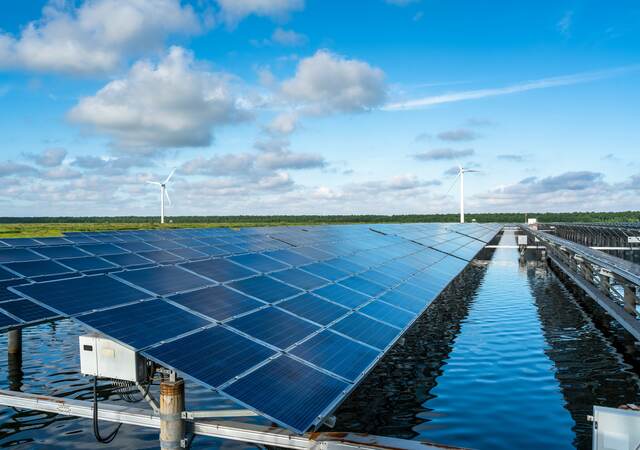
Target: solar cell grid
(299, 279)
(387, 313)
(289, 257)
(217, 302)
(7, 275)
(325, 271)
(265, 288)
(38, 268)
(161, 256)
(128, 260)
(6, 321)
(314, 308)
(61, 251)
(364, 329)
(343, 296)
(27, 310)
(101, 249)
(5, 293)
(137, 246)
(258, 262)
(164, 280)
(359, 284)
(8, 255)
(220, 270)
(87, 263)
(20, 242)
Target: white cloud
(326, 83)
(543, 83)
(51, 157)
(285, 123)
(564, 24)
(9, 168)
(233, 11)
(170, 104)
(458, 135)
(288, 37)
(96, 36)
(441, 154)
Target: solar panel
(345, 265)
(20, 242)
(31, 269)
(313, 253)
(325, 271)
(360, 284)
(62, 251)
(220, 270)
(366, 330)
(77, 295)
(258, 262)
(101, 249)
(6, 321)
(6, 294)
(144, 323)
(164, 280)
(274, 327)
(388, 314)
(400, 300)
(217, 302)
(227, 355)
(136, 247)
(340, 294)
(27, 310)
(6, 275)
(299, 279)
(8, 255)
(87, 263)
(314, 308)
(265, 288)
(289, 257)
(189, 253)
(161, 256)
(337, 354)
(128, 260)
(280, 388)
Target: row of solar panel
(261, 316)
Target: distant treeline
(626, 216)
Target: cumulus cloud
(511, 157)
(441, 154)
(284, 123)
(61, 173)
(10, 168)
(458, 135)
(51, 157)
(173, 103)
(327, 83)
(233, 11)
(288, 37)
(480, 122)
(95, 37)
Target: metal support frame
(172, 426)
(240, 432)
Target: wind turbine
(163, 193)
(461, 172)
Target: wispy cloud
(543, 83)
(564, 24)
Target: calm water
(506, 359)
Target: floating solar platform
(285, 321)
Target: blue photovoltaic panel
(265, 288)
(212, 251)
(291, 393)
(101, 249)
(324, 271)
(258, 262)
(6, 294)
(400, 300)
(164, 280)
(342, 295)
(167, 245)
(289, 257)
(366, 330)
(87, 263)
(380, 278)
(388, 314)
(418, 292)
(231, 249)
(345, 265)
(77, 295)
(220, 270)
(336, 354)
(161, 256)
(6, 321)
(21, 242)
(8, 255)
(27, 310)
(299, 279)
(6, 275)
(189, 253)
(38, 268)
(274, 327)
(314, 308)
(217, 302)
(53, 240)
(142, 324)
(364, 286)
(136, 247)
(128, 260)
(78, 239)
(61, 251)
(313, 253)
(212, 356)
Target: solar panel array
(283, 320)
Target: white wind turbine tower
(461, 172)
(163, 193)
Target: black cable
(96, 430)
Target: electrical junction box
(105, 358)
(522, 240)
(532, 220)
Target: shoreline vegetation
(56, 226)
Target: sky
(318, 106)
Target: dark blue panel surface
(142, 324)
(189, 253)
(342, 295)
(217, 302)
(38, 268)
(164, 280)
(21, 242)
(8, 255)
(336, 354)
(325, 271)
(212, 356)
(6, 294)
(258, 262)
(161, 256)
(136, 246)
(167, 245)
(388, 314)
(314, 308)
(380, 278)
(128, 260)
(76, 295)
(6, 321)
(101, 249)
(313, 253)
(291, 393)
(299, 279)
(289, 257)
(61, 251)
(345, 265)
(6, 275)
(220, 270)
(424, 295)
(27, 310)
(400, 300)
(364, 286)
(212, 251)
(265, 288)
(366, 330)
(274, 327)
(87, 263)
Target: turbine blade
(453, 184)
(170, 175)
(166, 194)
(153, 182)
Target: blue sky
(318, 107)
